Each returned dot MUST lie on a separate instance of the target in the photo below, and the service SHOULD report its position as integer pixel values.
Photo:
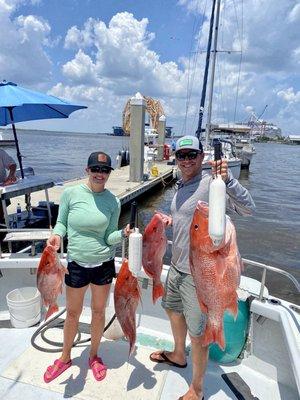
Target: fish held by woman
(216, 272)
(50, 276)
(154, 248)
(126, 299)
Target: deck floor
(22, 367)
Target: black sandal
(166, 360)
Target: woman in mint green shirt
(88, 216)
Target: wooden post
(161, 137)
(137, 137)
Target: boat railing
(266, 268)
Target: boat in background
(242, 140)
(6, 142)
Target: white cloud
(294, 14)
(22, 54)
(111, 61)
(81, 69)
(289, 95)
(122, 58)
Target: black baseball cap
(99, 159)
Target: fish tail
(213, 334)
(53, 308)
(157, 291)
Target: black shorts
(81, 276)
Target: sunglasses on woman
(190, 155)
(102, 170)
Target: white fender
(135, 247)
(217, 208)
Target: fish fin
(157, 291)
(213, 334)
(220, 265)
(232, 306)
(53, 308)
(203, 307)
(65, 271)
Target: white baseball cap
(188, 142)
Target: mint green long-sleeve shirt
(90, 220)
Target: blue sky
(100, 53)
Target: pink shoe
(53, 371)
(99, 369)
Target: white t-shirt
(5, 162)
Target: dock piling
(161, 137)
(137, 133)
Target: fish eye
(196, 227)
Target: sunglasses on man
(190, 155)
(102, 170)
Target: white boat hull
(234, 166)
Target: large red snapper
(126, 298)
(50, 276)
(216, 273)
(154, 248)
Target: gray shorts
(180, 296)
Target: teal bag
(235, 332)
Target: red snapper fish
(126, 298)
(50, 276)
(216, 272)
(154, 248)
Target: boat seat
(28, 236)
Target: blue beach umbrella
(18, 104)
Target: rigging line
(194, 63)
(221, 102)
(241, 54)
(205, 76)
(188, 81)
(189, 76)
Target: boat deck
(136, 378)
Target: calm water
(271, 236)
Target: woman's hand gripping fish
(154, 248)
(126, 298)
(50, 276)
(216, 272)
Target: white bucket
(24, 306)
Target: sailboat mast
(203, 94)
(212, 75)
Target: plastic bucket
(24, 306)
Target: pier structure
(118, 183)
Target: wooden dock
(118, 183)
